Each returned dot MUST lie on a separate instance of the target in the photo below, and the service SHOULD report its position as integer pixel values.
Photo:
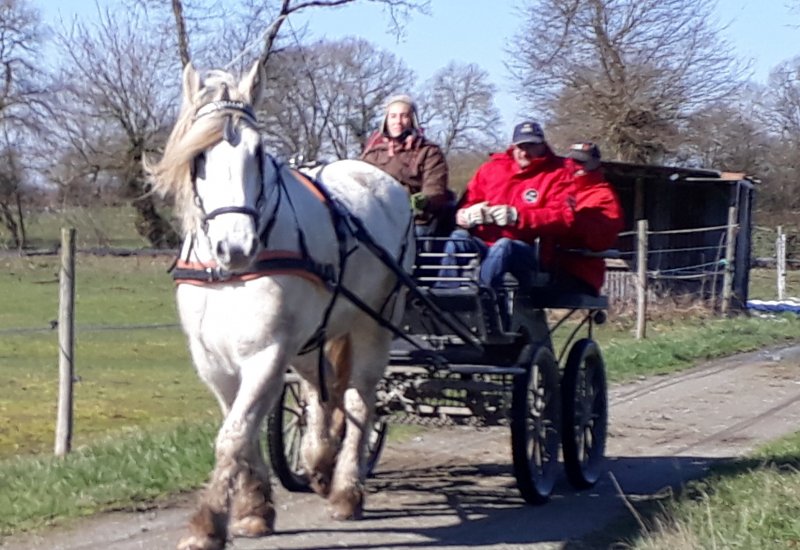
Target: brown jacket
(416, 163)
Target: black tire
(584, 414)
(535, 423)
(377, 439)
(285, 429)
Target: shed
(688, 212)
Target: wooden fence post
(730, 248)
(780, 247)
(66, 342)
(641, 279)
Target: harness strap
(269, 262)
(458, 327)
(339, 226)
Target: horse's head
(213, 164)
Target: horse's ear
(191, 84)
(252, 85)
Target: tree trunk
(11, 225)
(183, 37)
(23, 238)
(152, 226)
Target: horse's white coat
(243, 335)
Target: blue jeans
(460, 242)
(504, 256)
(508, 256)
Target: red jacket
(597, 221)
(539, 193)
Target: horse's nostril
(222, 249)
(253, 245)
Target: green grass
(127, 377)
(749, 503)
(679, 344)
(764, 284)
(122, 473)
(106, 226)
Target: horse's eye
(199, 166)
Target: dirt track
(453, 488)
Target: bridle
(230, 135)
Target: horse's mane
(171, 175)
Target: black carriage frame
(501, 373)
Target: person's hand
(502, 214)
(472, 215)
(419, 202)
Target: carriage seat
(548, 290)
(554, 298)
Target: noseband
(230, 135)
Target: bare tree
(727, 135)
(783, 100)
(458, 109)
(781, 117)
(21, 106)
(325, 98)
(626, 73)
(113, 101)
(277, 12)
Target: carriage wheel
(535, 421)
(585, 414)
(285, 429)
(377, 439)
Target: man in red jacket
(514, 198)
(597, 220)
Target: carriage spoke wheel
(375, 443)
(285, 429)
(585, 414)
(535, 423)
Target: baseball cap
(584, 151)
(528, 132)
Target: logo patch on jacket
(530, 196)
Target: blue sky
(478, 31)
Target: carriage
(459, 360)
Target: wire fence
(53, 327)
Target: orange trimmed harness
(268, 262)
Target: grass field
(95, 227)
(764, 285)
(745, 504)
(131, 363)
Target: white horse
(264, 276)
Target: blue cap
(528, 132)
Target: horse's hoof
(253, 526)
(347, 509)
(320, 484)
(193, 542)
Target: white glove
(502, 214)
(472, 215)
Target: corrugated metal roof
(673, 173)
